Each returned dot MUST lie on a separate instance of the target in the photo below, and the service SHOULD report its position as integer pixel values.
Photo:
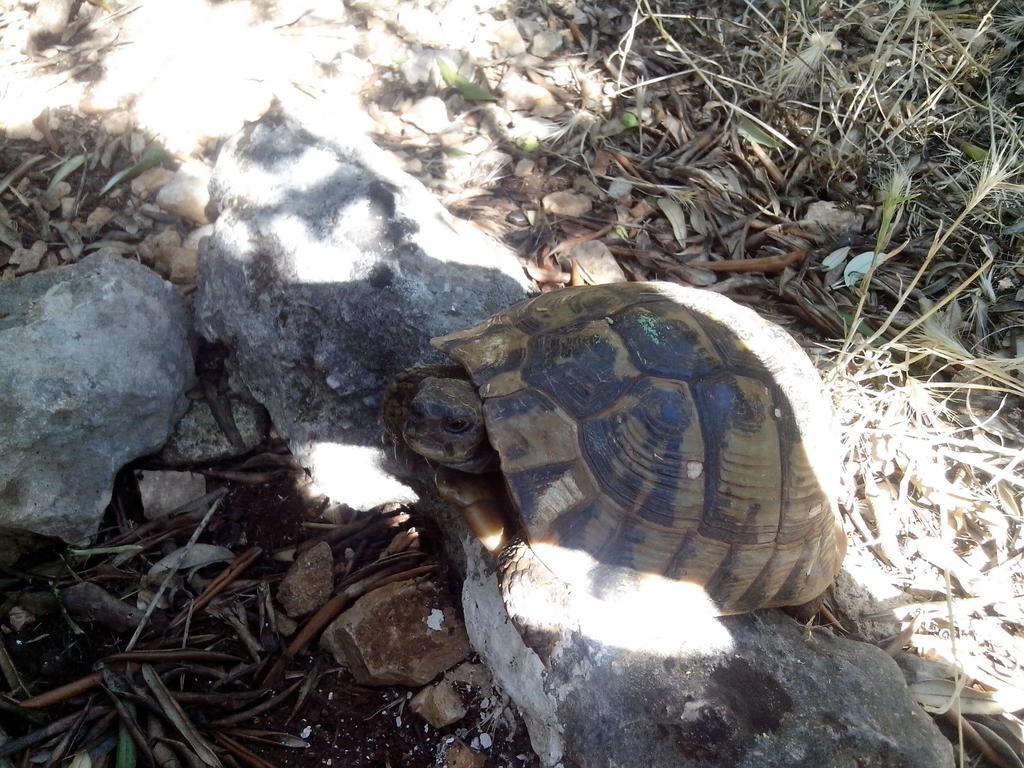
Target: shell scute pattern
(643, 452)
(666, 346)
(582, 367)
(666, 431)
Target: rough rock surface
(96, 363)
(198, 439)
(406, 633)
(309, 583)
(327, 272)
(163, 492)
(753, 690)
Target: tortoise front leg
(482, 501)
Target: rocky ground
(852, 173)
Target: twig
(243, 754)
(219, 584)
(174, 654)
(263, 706)
(172, 572)
(55, 728)
(63, 693)
(763, 264)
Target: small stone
(429, 114)
(117, 123)
(285, 626)
(195, 237)
(164, 491)
(421, 25)
(619, 188)
(19, 618)
(385, 639)
(453, 753)
(137, 143)
(567, 203)
(419, 67)
(309, 582)
(439, 704)
(148, 182)
(524, 167)
(179, 264)
(99, 99)
(524, 95)
(49, 21)
(597, 263)
(826, 216)
(545, 43)
(475, 676)
(28, 259)
(187, 193)
(506, 36)
(98, 217)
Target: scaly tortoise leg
(535, 599)
(482, 501)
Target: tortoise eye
(457, 426)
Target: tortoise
(639, 430)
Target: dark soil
(342, 723)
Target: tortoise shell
(663, 430)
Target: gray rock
(327, 272)
(198, 439)
(753, 690)
(96, 363)
(163, 492)
(406, 633)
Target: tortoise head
(445, 423)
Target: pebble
(28, 259)
(597, 262)
(309, 582)
(151, 181)
(506, 36)
(619, 188)
(165, 491)
(187, 193)
(179, 264)
(117, 123)
(567, 203)
(454, 753)
(829, 217)
(545, 43)
(524, 167)
(429, 114)
(439, 704)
